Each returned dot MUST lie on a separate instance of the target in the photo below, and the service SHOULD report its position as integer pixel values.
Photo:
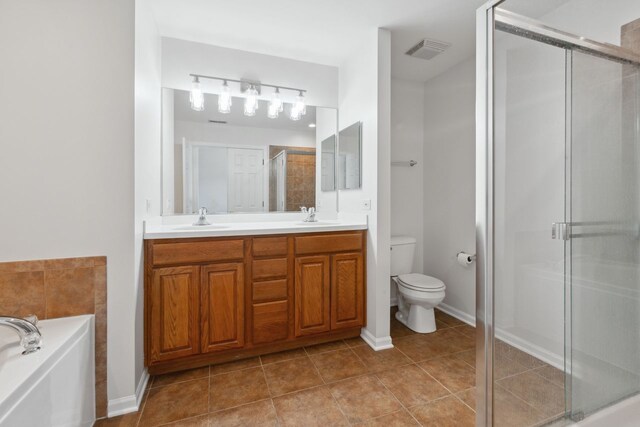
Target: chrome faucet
(202, 220)
(311, 214)
(30, 337)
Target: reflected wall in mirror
(350, 157)
(328, 167)
(232, 163)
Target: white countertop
(246, 225)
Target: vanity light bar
(298, 108)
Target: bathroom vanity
(244, 290)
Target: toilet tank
(402, 250)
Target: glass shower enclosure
(557, 211)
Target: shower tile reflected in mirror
(233, 163)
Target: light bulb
(276, 102)
(196, 97)
(300, 105)
(224, 99)
(273, 111)
(295, 113)
(251, 102)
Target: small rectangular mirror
(350, 157)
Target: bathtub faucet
(29, 333)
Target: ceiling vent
(427, 49)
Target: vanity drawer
(328, 243)
(269, 268)
(192, 252)
(270, 322)
(270, 290)
(269, 246)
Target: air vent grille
(427, 49)
(220, 122)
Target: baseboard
(458, 314)
(127, 404)
(513, 340)
(377, 344)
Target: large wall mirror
(233, 163)
(350, 157)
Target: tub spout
(29, 333)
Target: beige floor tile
(377, 361)
(467, 356)
(355, 342)
(468, 397)
(309, 408)
(505, 350)
(178, 377)
(291, 375)
(447, 319)
(510, 411)
(411, 385)
(338, 365)
(401, 418)
(504, 367)
(467, 330)
(283, 355)
(398, 330)
(323, 348)
(175, 402)
(543, 395)
(200, 421)
(552, 374)
(363, 398)
(128, 420)
(445, 412)
(256, 414)
(454, 374)
(238, 388)
(235, 365)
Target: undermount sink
(200, 227)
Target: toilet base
(417, 318)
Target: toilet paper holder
(465, 258)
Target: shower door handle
(560, 231)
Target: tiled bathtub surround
(58, 288)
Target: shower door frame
(486, 18)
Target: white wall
(449, 182)
(407, 184)
(148, 111)
(181, 58)
(168, 153)
(67, 166)
(365, 96)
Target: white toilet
(418, 294)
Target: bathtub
(54, 386)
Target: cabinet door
(174, 319)
(347, 291)
(312, 286)
(222, 289)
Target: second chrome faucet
(311, 214)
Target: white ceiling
(182, 111)
(328, 31)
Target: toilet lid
(421, 282)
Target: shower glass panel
(603, 247)
(529, 167)
(558, 210)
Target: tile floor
(425, 380)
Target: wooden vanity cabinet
(211, 300)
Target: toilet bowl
(418, 294)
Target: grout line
(396, 397)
